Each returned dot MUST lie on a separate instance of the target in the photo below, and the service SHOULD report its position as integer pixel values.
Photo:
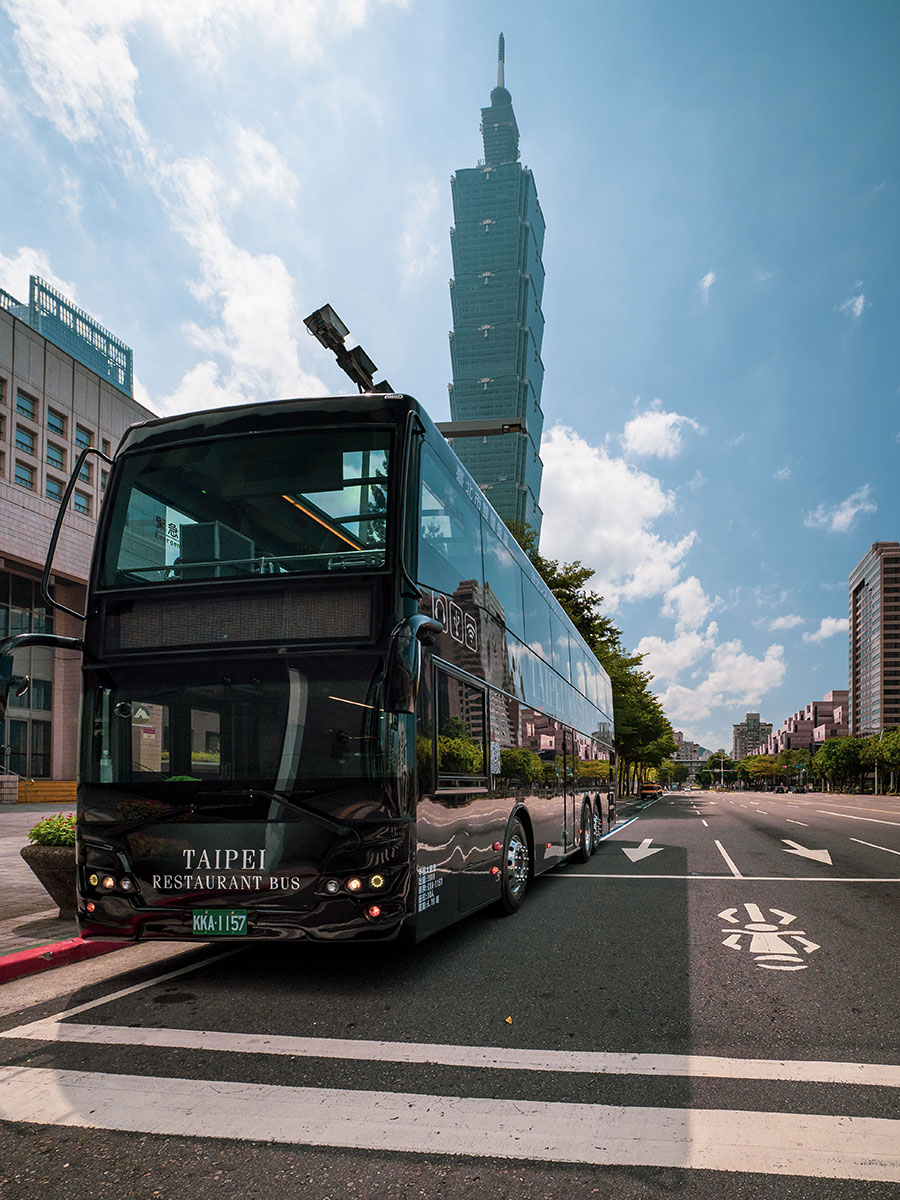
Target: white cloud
(828, 628)
(666, 660)
(852, 306)
(736, 440)
(735, 678)
(782, 474)
(77, 58)
(259, 165)
(789, 621)
(841, 518)
(15, 272)
(420, 242)
(600, 509)
(688, 604)
(655, 433)
(705, 284)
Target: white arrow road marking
(642, 851)
(835, 1147)
(821, 856)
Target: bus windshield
(296, 726)
(297, 501)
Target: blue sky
(720, 185)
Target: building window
(25, 406)
(56, 457)
(25, 476)
(106, 447)
(82, 503)
(53, 489)
(83, 437)
(104, 480)
(24, 440)
(56, 422)
(85, 473)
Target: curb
(56, 954)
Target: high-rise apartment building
(498, 326)
(65, 384)
(748, 734)
(875, 640)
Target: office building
(498, 326)
(65, 384)
(748, 734)
(875, 640)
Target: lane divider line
(874, 847)
(731, 865)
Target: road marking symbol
(772, 946)
(821, 856)
(644, 850)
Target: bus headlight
(108, 882)
(332, 887)
(376, 882)
(353, 885)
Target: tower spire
(501, 59)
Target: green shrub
(57, 830)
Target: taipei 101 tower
(498, 326)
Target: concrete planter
(55, 868)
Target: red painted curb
(56, 954)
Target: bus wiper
(307, 810)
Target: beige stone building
(65, 383)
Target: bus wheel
(598, 825)
(586, 835)
(514, 870)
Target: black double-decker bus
(325, 694)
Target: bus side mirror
(404, 661)
(21, 683)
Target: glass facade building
(498, 326)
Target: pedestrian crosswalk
(524, 1128)
(709, 1139)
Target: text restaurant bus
(310, 647)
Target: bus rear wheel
(514, 870)
(585, 835)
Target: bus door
(571, 801)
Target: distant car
(779, 789)
(648, 791)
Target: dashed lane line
(874, 847)
(831, 1147)
(728, 860)
(791, 821)
(851, 817)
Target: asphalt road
(712, 1002)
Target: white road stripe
(728, 878)
(496, 1058)
(707, 1139)
(731, 865)
(874, 847)
(706, 823)
(849, 817)
(793, 822)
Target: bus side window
(461, 730)
(449, 531)
(425, 734)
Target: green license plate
(220, 922)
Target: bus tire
(514, 869)
(597, 812)
(585, 834)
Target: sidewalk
(32, 936)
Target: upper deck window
(307, 501)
